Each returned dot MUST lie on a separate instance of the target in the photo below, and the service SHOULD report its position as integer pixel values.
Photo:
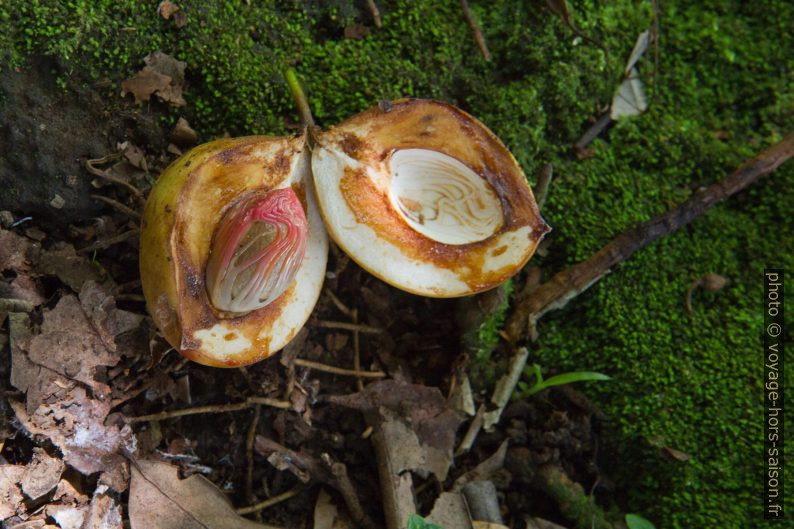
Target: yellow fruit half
(233, 249)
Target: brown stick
(106, 243)
(325, 470)
(274, 500)
(373, 10)
(357, 352)
(326, 324)
(475, 29)
(249, 454)
(212, 408)
(119, 206)
(338, 370)
(567, 284)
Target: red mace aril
(257, 250)
(233, 249)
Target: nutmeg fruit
(233, 249)
(426, 198)
(419, 193)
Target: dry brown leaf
(10, 495)
(326, 514)
(59, 367)
(162, 76)
(145, 83)
(160, 500)
(16, 254)
(15, 251)
(104, 512)
(165, 64)
(167, 9)
(404, 410)
(41, 475)
(67, 516)
(450, 510)
(72, 269)
(356, 31)
(183, 134)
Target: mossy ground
(722, 92)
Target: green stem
(295, 88)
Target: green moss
(725, 71)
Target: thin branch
(348, 326)
(212, 408)
(249, 454)
(324, 470)
(344, 309)
(373, 10)
(357, 352)
(273, 500)
(91, 167)
(593, 131)
(119, 206)
(545, 175)
(106, 243)
(475, 29)
(570, 282)
(338, 370)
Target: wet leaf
(160, 500)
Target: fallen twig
(273, 500)
(501, 396)
(358, 327)
(338, 370)
(249, 456)
(572, 281)
(91, 167)
(357, 352)
(324, 470)
(545, 175)
(212, 408)
(475, 29)
(118, 206)
(106, 243)
(344, 309)
(373, 10)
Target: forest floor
(90, 388)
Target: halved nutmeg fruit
(421, 194)
(426, 198)
(233, 249)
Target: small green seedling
(635, 521)
(557, 380)
(417, 522)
